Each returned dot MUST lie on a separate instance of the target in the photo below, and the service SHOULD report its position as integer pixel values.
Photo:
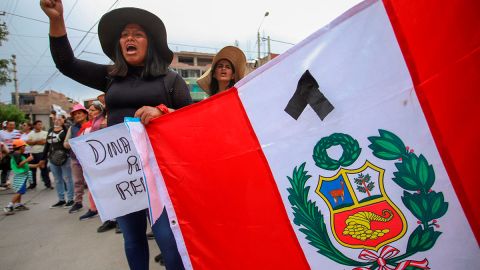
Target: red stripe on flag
(229, 218)
(440, 41)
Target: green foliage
(388, 146)
(425, 207)
(414, 174)
(11, 112)
(422, 240)
(406, 175)
(3, 33)
(310, 219)
(351, 151)
(4, 74)
(364, 179)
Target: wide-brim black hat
(112, 24)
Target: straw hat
(232, 54)
(112, 23)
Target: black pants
(43, 171)
(5, 167)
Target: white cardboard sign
(113, 171)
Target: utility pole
(258, 33)
(268, 42)
(258, 43)
(15, 81)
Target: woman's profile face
(93, 112)
(134, 44)
(224, 71)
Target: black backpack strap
(169, 83)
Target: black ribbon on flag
(308, 93)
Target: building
(191, 65)
(38, 106)
(262, 61)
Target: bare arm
(54, 10)
(66, 144)
(41, 142)
(30, 140)
(85, 72)
(23, 162)
(4, 148)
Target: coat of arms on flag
(361, 214)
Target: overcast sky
(192, 25)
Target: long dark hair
(154, 65)
(214, 82)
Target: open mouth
(131, 49)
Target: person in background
(137, 84)
(228, 67)
(79, 114)
(21, 170)
(96, 118)
(109, 224)
(37, 139)
(3, 153)
(26, 128)
(67, 121)
(3, 150)
(59, 163)
(7, 136)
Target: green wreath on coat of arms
(414, 174)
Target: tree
(363, 183)
(11, 112)
(4, 74)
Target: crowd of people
(139, 84)
(31, 148)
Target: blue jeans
(134, 229)
(63, 177)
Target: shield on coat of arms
(361, 213)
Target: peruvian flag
(355, 149)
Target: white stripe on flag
(361, 70)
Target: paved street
(43, 238)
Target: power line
(46, 49)
(94, 53)
(279, 41)
(13, 10)
(56, 73)
(37, 20)
(94, 33)
(71, 10)
(25, 46)
(44, 37)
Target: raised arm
(54, 10)
(85, 72)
